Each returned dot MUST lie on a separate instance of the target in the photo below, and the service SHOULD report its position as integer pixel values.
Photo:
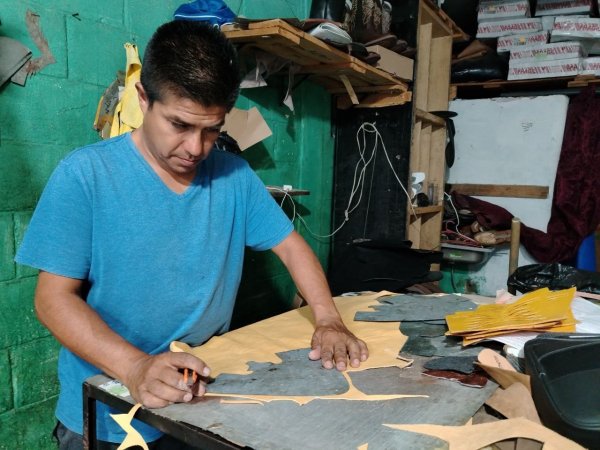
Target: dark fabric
(69, 440)
(383, 264)
(487, 214)
(576, 204)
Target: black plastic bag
(554, 277)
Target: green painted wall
(41, 122)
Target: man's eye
(179, 126)
(214, 130)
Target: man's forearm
(80, 329)
(308, 275)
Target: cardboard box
(575, 28)
(398, 65)
(544, 69)
(562, 7)
(591, 66)
(508, 27)
(502, 10)
(547, 52)
(507, 43)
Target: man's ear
(142, 97)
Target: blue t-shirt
(161, 266)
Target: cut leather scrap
(133, 437)
(476, 380)
(475, 437)
(506, 378)
(409, 308)
(514, 401)
(229, 353)
(351, 394)
(14, 56)
(128, 115)
(540, 310)
(462, 364)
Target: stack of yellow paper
(541, 311)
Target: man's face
(178, 133)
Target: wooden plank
(433, 11)
(439, 74)
(349, 88)
(423, 210)
(423, 64)
(502, 190)
(429, 15)
(430, 118)
(383, 100)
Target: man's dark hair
(191, 60)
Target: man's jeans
(69, 440)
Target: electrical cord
(358, 180)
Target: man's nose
(196, 144)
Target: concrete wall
(53, 113)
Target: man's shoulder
(98, 151)
(226, 161)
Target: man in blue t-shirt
(139, 241)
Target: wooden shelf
(277, 191)
(424, 210)
(496, 87)
(435, 34)
(338, 72)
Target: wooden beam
(501, 190)
(349, 88)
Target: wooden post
(515, 240)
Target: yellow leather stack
(540, 311)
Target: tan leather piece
(475, 437)
(539, 310)
(506, 378)
(133, 437)
(514, 401)
(231, 352)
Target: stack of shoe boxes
(573, 35)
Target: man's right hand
(156, 381)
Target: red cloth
(576, 203)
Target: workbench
(208, 423)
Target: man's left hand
(334, 344)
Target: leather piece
(476, 380)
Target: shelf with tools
(435, 35)
(341, 74)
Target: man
(139, 240)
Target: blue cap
(215, 12)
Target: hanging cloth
(128, 115)
(576, 203)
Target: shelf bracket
(349, 89)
